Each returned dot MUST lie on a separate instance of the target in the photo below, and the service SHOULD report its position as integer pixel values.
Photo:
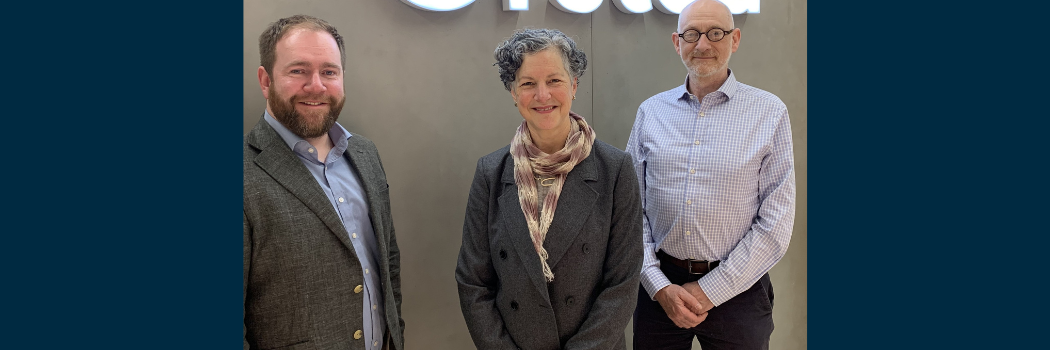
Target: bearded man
(321, 263)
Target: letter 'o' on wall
(438, 5)
(577, 6)
(633, 6)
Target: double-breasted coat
(594, 246)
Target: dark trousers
(743, 322)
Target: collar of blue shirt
(338, 134)
(728, 88)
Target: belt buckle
(689, 262)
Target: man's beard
(284, 111)
(700, 70)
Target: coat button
(503, 254)
(358, 334)
(570, 300)
(358, 289)
(514, 305)
(586, 249)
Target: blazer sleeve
(394, 257)
(615, 304)
(475, 276)
(395, 275)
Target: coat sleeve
(475, 276)
(614, 305)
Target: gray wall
(421, 85)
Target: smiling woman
(542, 68)
(545, 212)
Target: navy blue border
(122, 135)
(926, 197)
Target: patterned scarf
(530, 162)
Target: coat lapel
(366, 166)
(575, 205)
(518, 229)
(277, 160)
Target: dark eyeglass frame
(707, 34)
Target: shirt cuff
(654, 280)
(717, 287)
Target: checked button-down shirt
(717, 181)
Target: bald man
(714, 163)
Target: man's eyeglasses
(714, 35)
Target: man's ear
(736, 39)
(264, 82)
(674, 40)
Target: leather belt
(695, 267)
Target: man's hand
(698, 293)
(680, 306)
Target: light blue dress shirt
(347, 195)
(718, 183)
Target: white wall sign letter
(674, 7)
(633, 6)
(515, 5)
(671, 7)
(438, 5)
(577, 6)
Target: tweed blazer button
(358, 289)
(358, 334)
(503, 254)
(570, 300)
(514, 305)
(586, 249)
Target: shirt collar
(728, 88)
(338, 134)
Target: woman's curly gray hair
(510, 54)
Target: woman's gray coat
(595, 251)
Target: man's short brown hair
(277, 30)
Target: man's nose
(315, 85)
(703, 43)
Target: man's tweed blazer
(300, 269)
